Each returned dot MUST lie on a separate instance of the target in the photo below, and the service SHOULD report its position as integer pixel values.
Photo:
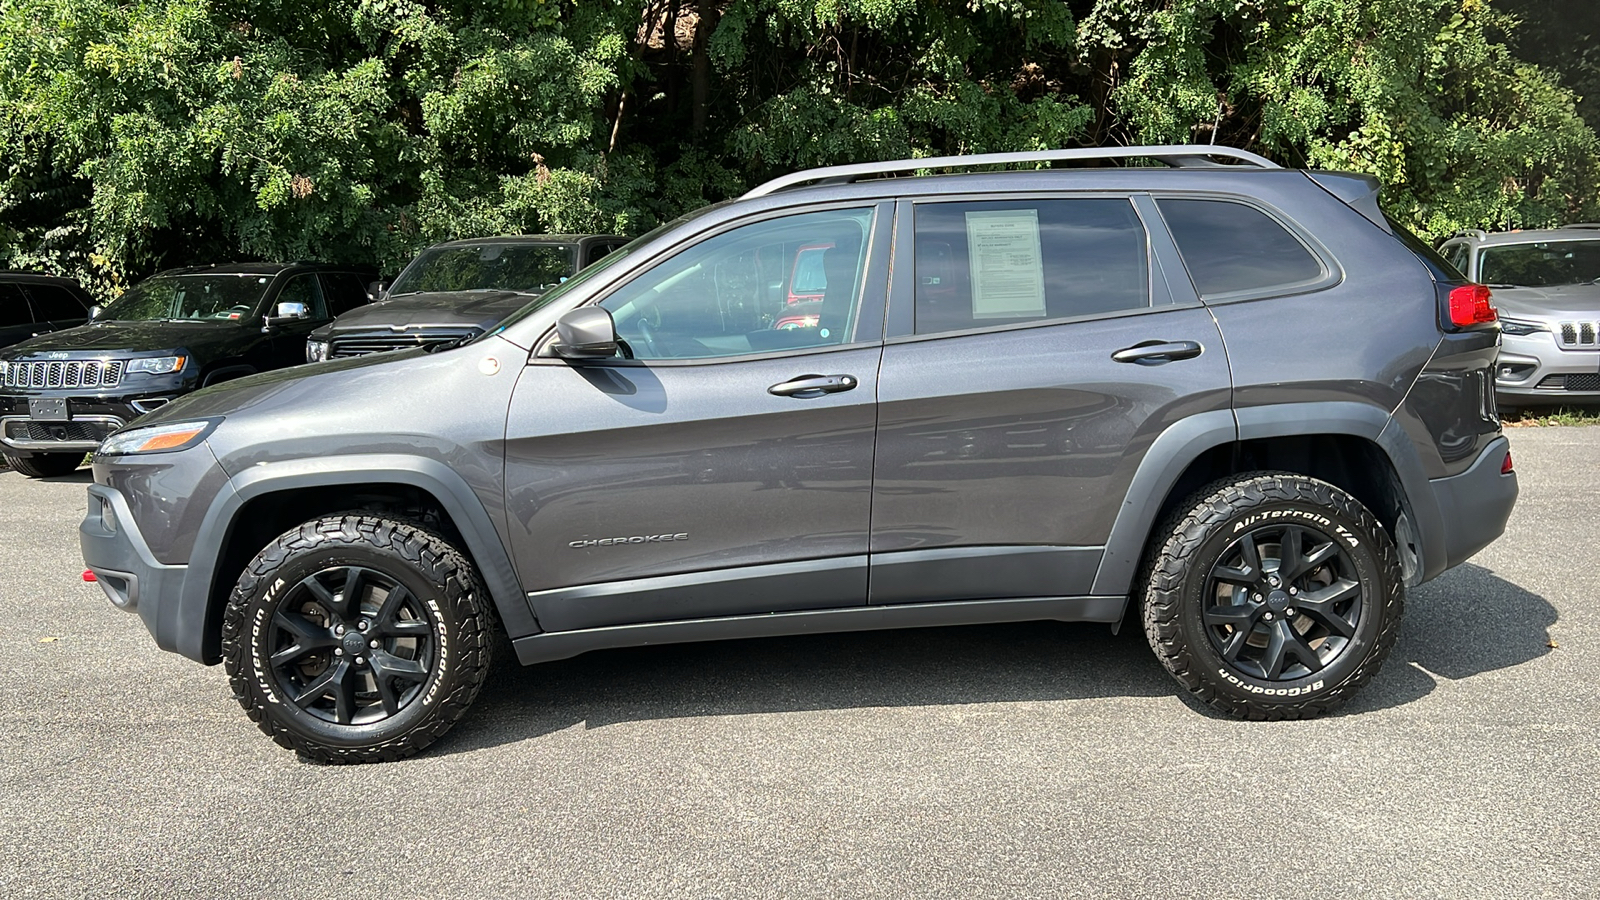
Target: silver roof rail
(1178, 156)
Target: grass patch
(1565, 415)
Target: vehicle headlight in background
(156, 438)
(1519, 327)
(155, 365)
(316, 351)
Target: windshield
(594, 269)
(188, 298)
(1543, 264)
(527, 268)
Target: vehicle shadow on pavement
(915, 667)
(1466, 622)
(80, 476)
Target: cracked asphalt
(1045, 760)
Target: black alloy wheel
(357, 638)
(351, 645)
(1272, 596)
(1283, 602)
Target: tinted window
(52, 303)
(304, 289)
(1002, 262)
(345, 291)
(13, 307)
(728, 295)
(1231, 247)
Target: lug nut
(1288, 612)
(1268, 617)
(373, 644)
(1293, 591)
(360, 661)
(365, 625)
(338, 651)
(338, 629)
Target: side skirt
(554, 645)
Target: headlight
(1519, 327)
(316, 351)
(155, 438)
(155, 365)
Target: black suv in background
(62, 393)
(1233, 401)
(458, 290)
(33, 303)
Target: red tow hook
(88, 575)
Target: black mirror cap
(586, 333)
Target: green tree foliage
(136, 134)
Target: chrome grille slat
(65, 374)
(1578, 335)
(361, 345)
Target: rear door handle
(1155, 353)
(807, 386)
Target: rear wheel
(357, 638)
(46, 465)
(1274, 597)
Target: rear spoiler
(1359, 192)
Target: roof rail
(1178, 156)
(1582, 225)
(1474, 232)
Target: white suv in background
(1545, 285)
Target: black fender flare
(1185, 440)
(194, 620)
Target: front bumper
(1475, 505)
(125, 568)
(91, 420)
(1533, 369)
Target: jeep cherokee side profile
(1231, 399)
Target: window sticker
(1007, 266)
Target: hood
(206, 340)
(483, 309)
(1557, 301)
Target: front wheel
(45, 465)
(357, 638)
(1273, 597)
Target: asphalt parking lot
(1029, 760)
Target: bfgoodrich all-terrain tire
(1274, 596)
(46, 465)
(357, 638)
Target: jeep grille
(71, 373)
(1578, 335)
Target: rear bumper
(1475, 505)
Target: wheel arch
(1345, 443)
(265, 501)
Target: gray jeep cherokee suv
(1232, 399)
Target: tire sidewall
(1358, 542)
(254, 648)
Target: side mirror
(288, 311)
(375, 290)
(94, 312)
(586, 333)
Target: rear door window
(345, 291)
(1005, 262)
(1232, 248)
(55, 304)
(304, 289)
(13, 307)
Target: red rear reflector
(1469, 305)
(1505, 467)
(88, 575)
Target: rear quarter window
(53, 303)
(1232, 248)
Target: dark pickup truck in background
(458, 290)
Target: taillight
(1505, 467)
(1469, 305)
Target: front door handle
(807, 386)
(1155, 353)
